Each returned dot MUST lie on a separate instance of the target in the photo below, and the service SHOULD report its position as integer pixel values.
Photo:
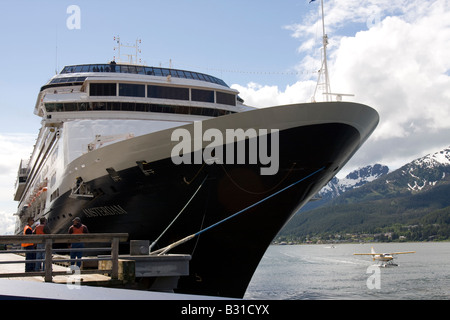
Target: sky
(392, 55)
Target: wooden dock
(48, 240)
(14, 269)
(155, 274)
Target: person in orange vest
(77, 228)
(42, 228)
(29, 254)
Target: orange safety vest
(79, 230)
(25, 232)
(39, 229)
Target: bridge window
(226, 98)
(152, 71)
(102, 89)
(161, 92)
(131, 90)
(202, 95)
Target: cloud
(13, 148)
(267, 96)
(395, 60)
(400, 67)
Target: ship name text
(104, 211)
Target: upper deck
(123, 87)
(132, 69)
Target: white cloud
(267, 96)
(13, 148)
(398, 64)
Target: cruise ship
(161, 154)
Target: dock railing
(49, 239)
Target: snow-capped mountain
(417, 194)
(440, 158)
(353, 180)
(423, 173)
(419, 175)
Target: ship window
(131, 90)
(140, 70)
(98, 106)
(157, 72)
(114, 106)
(131, 106)
(84, 106)
(202, 95)
(155, 108)
(50, 107)
(189, 75)
(128, 69)
(165, 72)
(128, 106)
(226, 98)
(153, 71)
(149, 71)
(141, 107)
(54, 195)
(70, 107)
(160, 92)
(102, 89)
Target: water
(322, 272)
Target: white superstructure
(86, 107)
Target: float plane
(384, 259)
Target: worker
(42, 228)
(30, 254)
(77, 228)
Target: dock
(136, 276)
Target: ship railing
(49, 239)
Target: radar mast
(131, 58)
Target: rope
(173, 245)
(185, 206)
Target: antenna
(323, 72)
(131, 58)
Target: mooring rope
(177, 243)
(185, 206)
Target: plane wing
(401, 252)
(382, 254)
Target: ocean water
(321, 272)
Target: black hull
(225, 257)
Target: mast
(131, 58)
(324, 63)
(323, 72)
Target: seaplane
(384, 259)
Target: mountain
(411, 200)
(355, 179)
(337, 187)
